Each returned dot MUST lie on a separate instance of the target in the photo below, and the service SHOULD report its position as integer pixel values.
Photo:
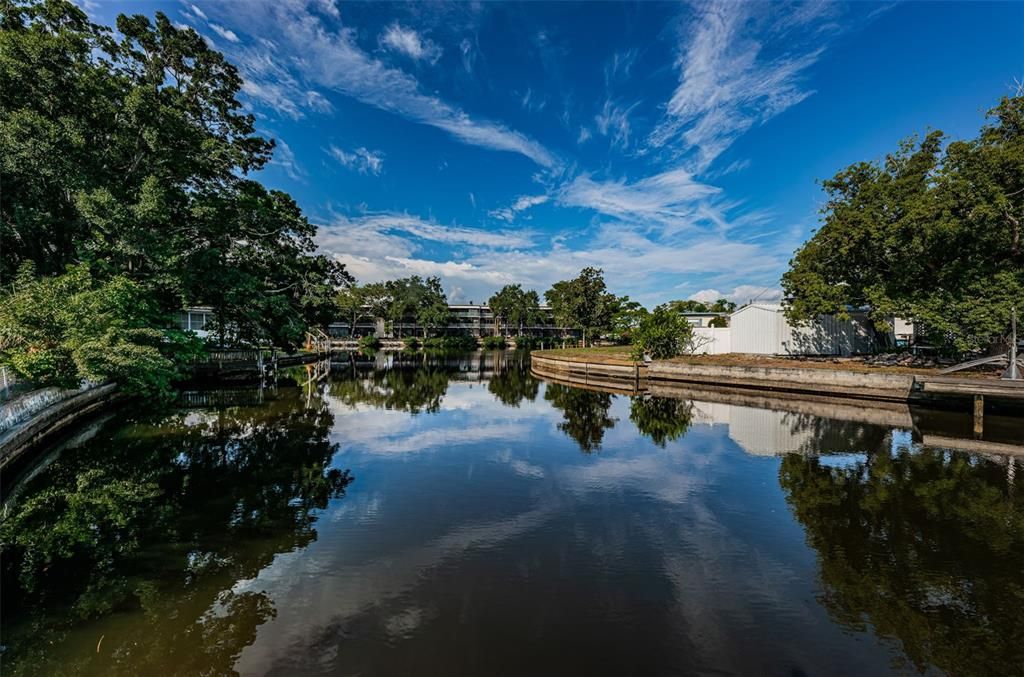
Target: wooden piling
(979, 415)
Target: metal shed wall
(764, 330)
(756, 329)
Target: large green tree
(512, 306)
(932, 234)
(626, 319)
(128, 151)
(583, 303)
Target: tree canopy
(691, 306)
(513, 306)
(129, 151)
(932, 235)
(583, 302)
(662, 334)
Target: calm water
(459, 517)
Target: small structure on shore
(763, 329)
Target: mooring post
(979, 415)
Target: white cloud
(668, 199)
(613, 122)
(407, 41)
(522, 203)
(381, 246)
(198, 12)
(377, 247)
(285, 159)
(584, 135)
(269, 83)
(743, 293)
(228, 35)
(466, 49)
(329, 58)
(362, 160)
(532, 102)
(728, 83)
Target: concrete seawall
(861, 385)
(804, 381)
(47, 423)
(619, 375)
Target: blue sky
(676, 146)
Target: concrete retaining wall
(875, 386)
(624, 375)
(822, 382)
(50, 421)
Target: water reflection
(584, 413)
(712, 533)
(139, 534)
(923, 547)
(663, 419)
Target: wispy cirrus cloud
(613, 122)
(737, 70)
(522, 203)
(329, 57)
(407, 41)
(225, 33)
(285, 159)
(669, 199)
(361, 160)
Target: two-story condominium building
(466, 319)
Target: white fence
(712, 340)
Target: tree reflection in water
(514, 383)
(584, 412)
(923, 547)
(663, 419)
(144, 534)
(416, 390)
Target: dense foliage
(583, 303)
(59, 330)
(662, 334)
(626, 319)
(420, 300)
(932, 235)
(513, 307)
(493, 342)
(126, 154)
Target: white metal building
(762, 328)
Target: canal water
(416, 515)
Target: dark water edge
(421, 514)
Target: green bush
(453, 343)
(662, 334)
(411, 343)
(56, 331)
(529, 342)
(493, 342)
(370, 342)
